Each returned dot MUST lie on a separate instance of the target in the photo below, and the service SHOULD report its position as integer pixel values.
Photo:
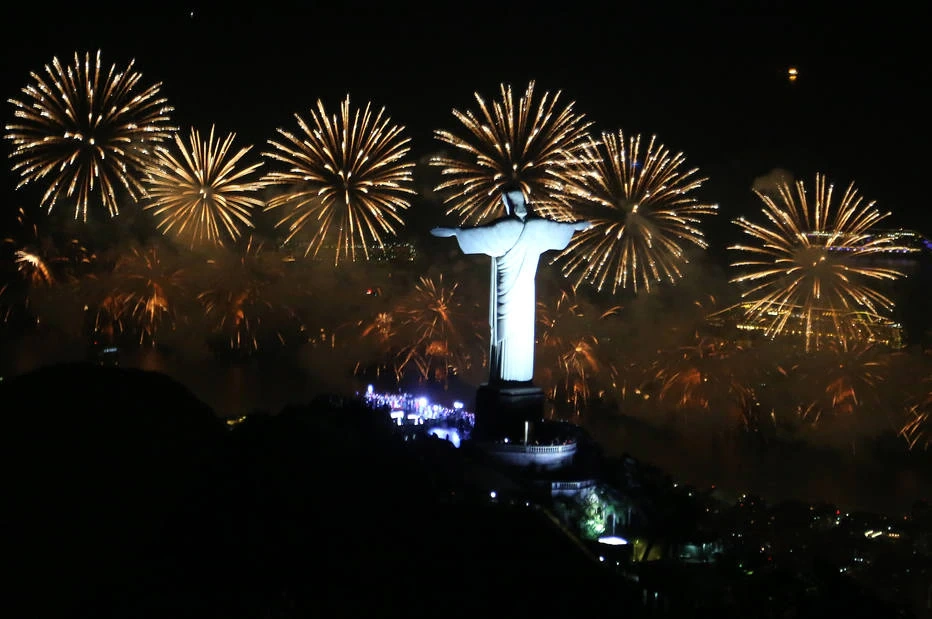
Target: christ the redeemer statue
(515, 242)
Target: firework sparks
(846, 379)
(88, 131)
(145, 294)
(569, 346)
(31, 263)
(807, 261)
(379, 333)
(917, 429)
(433, 316)
(381, 328)
(347, 178)
(525, 144)
(33, 268)
(642, 211)
(235, 313)
(710, 375)
(239, 300)
(198, 193)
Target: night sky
(711, 82)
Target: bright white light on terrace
(613, 540)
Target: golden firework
(347, 179)
(571, 353)
(240, 300)
(643, 212)
(918, 428)
(432, 320)
(507, 144)
(88, 131)
(33, 268)
(807, 264)
(145, 295)
(710, 375)
(198, 193)
(381, 328)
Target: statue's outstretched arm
(582, 225)
(444, 232)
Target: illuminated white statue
(515, 243)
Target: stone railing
(533, 449)
(543, 456)
(572, 485)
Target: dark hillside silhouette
(94, 460)
(128, 498)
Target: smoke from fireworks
(642, 211)
(198, 193)
(88, 132)
(525, 144)
(807, 262)
(347, 179)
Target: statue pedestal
(502, 410)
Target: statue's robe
(515, 247)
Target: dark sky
(710, 81)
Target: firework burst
(643, 212)
(526, 144)
(347, 179)
(198, 193)
(381, 328)
(845, 379)
(378, 335)
(806, 263)
(87, 132)
(572, 355)
(917, 428)
(432, 319)
(31, 263)
(710, 375)
(239, 301)
(33, 268)
(145, 295)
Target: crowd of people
(408, 409)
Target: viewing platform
(546, 457)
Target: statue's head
(514, 201)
